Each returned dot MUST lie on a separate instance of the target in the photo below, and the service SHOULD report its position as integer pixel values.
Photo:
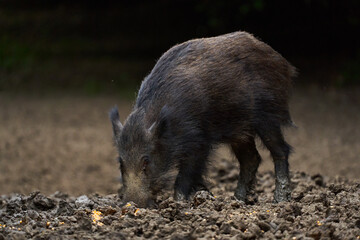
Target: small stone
(308, 199)
(83, 221)
(255, 229)
(65, 209)
(264, 226)
(72, 219)
(83, 201)
(43, 203)
(33, 214)
(108, 210)
(336, 188)
(314, 233)
(201, 197)
(357, 223)
(225, 228)
(318, 179)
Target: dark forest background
(109, 46)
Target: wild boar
(220, 90)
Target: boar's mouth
(140, 198)
(146, 196)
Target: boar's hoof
(251, 199)
(240, 197)
(248, 199)
(179, 196)
(282, 195)
(200, 187)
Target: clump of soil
(320, 208)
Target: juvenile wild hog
(226, 89)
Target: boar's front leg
(190, 176)
(249, 159)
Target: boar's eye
(145, 161)
(119, 159)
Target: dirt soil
(320, 209)
(61, 146)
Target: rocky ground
(320, 209)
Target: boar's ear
(115, 121)
(159, 127)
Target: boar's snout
(140, 199)
(136, 190)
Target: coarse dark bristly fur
(226, 89)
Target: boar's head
(144, 173)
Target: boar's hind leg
(249, 160)
(190, 177)
(279, 149)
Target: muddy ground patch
(320, 209)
